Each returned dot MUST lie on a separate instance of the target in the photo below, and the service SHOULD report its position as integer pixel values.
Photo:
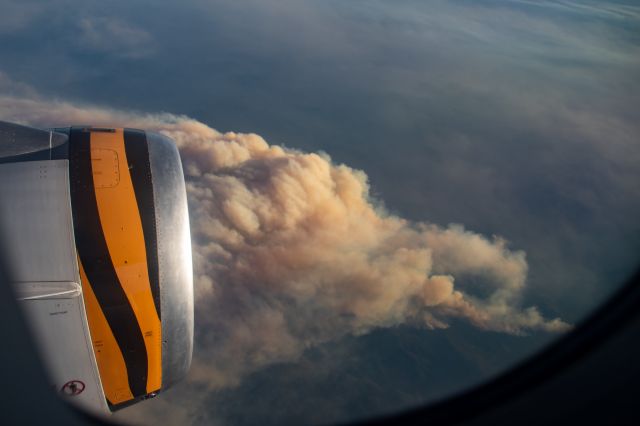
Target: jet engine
(95, 223)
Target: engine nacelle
(96, 224)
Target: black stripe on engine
(137, 149)
(94, 255)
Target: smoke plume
(291, 251)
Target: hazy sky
(514, 118)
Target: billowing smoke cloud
(291, 251)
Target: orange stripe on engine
(111, 365)
(122, 228)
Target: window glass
(390, 201)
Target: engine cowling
(98, 226)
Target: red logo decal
(72, 388)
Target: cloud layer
(525, 125)
(291, 251)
